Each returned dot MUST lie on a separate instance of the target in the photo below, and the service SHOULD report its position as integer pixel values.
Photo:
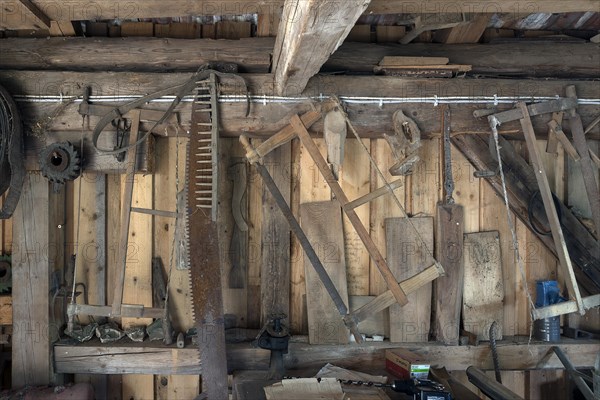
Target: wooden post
(36, 251)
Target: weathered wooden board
(382, 207)
(448, 289)
(234, 245)
(138, 275)
(423, 190)
(514, 353)
(233, 30)
(466, 190)
(90, 248)
(168, 166)
(322, 223)
(493, 216)
(268, 24)
(255, 195)
(355, 181)
(483, 292)
(31, 268)
(308, 186)
(275, 242)
(408, 255)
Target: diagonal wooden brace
(557, 233)
(362, 232)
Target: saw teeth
(201, 173)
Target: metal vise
(275, 337)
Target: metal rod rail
(574, 374)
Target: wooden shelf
(126, 357)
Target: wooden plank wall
(484, 211)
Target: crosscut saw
(202, 238)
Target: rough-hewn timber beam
(149, 358)
(528, 59)
(519, 59)
(12, 16)
(369, 118)
(481, 6)
(309, 32)
(134, 54)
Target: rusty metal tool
(404, 143)
(159, 294)
(202, 239)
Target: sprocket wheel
(60, 162)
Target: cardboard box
(406, 364)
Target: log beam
(370, 120)
(309, 32)
(126, 357)
(264, 120)
(12, 16)
(518, 60)
(253, 55)
(139, 54)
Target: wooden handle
(251, 153)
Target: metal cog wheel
(60, 162)
(5, 274)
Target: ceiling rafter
(309, 32)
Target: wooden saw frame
(397, 291)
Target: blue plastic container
(547, 329)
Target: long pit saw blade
(202, 239)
